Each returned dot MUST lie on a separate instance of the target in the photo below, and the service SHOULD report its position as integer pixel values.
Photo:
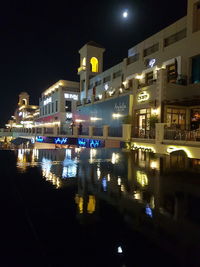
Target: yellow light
(115, 158)
(155, 111)
(91, 205)
(119, 181)
(100, 96)
(154, 164)
(171, 149)
(95, 119)
(139, 77)
(143, 96)
(94, 64)
(78, 120)
(108, 177)
(142, 178)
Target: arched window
(24, 101)
(84, 62)
(94, 64)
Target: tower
(91, 64)
(23, 99)
(193, 16)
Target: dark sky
(39, 40)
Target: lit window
(94, 64)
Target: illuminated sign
(95, 143)
(152, 62)
(149, 63)
(120, 107)
(71, 96)
(144, 96)
(82, 142)
(68, 115)
(39, 139)
(60, 141)
(47, 101)
(90, 143)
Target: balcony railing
(97, 131)
(115, 131)
(136, 132)
(182, 135)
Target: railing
(115, 131)
(85, 131)
(97, 131)
(184, 135)
(65, 131)
(136, 132)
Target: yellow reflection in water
(91, 204)
(142, 178)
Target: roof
(92, 43)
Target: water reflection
(157, 196)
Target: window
(133, 59)
(52, 107)
(196, 69)
(149, 78)
(176, 117)
(94, 64)
(175, 37)
(56, 106)
(117, 74)
(68, 106)
(46, 110)
(152, 49)
(49, 108)
(106, 79)
(196, 17)
(171, 73)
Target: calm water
(104, 207)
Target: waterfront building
(25, 114)
(159, 81)
(57, 105)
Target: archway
(94, 64)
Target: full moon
(125, 14)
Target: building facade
(160, 74)
(57, 104)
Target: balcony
(80, 69)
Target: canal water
(99, 207)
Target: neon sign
(95, 143)
(82, 142)
(71, 96)
(144, 96)
(152, 62)
(39, 139)
(60, 141)
(47, 101)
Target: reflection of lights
(104, 183)
(93, 153)
(119, 250)
(152, 202)
(137, 195)
(142, 178)
(91, 204)
(108, 177)
(98, 173)
(119, 181)
(115, 158)
(154, 164)
(69, 165)
(148, 211)
(122, 188)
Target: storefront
(176, 117)
(195, 118)
(142, 117)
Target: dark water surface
(104, 207)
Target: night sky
(39, 41)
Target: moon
(125, 14)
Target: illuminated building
(160, 78)
(57, 105)
(25, 114)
